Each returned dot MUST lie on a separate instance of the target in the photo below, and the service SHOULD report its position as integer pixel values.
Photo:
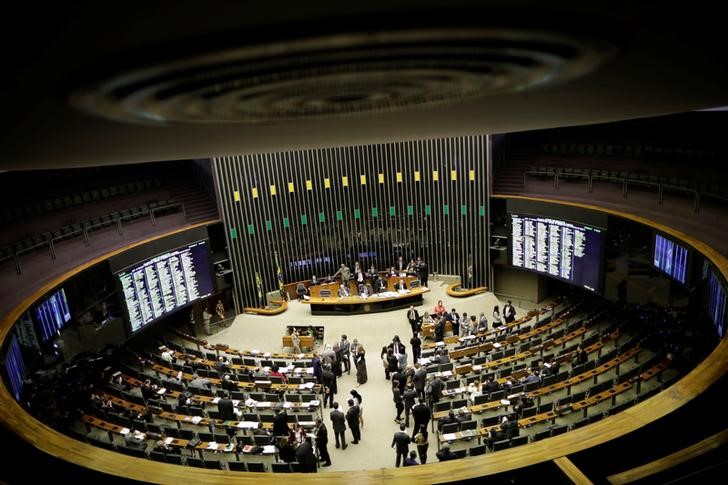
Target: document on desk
(449, 436)
(212, 445)
(216, 400)
(269, 449)
(124, 431)
(196, 419)
(169, 440)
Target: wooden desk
(351, 305)
(306, 341)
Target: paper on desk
(287, 405)
(477, 367)
(124, 431)
(315, 402)
(161, 391)
(439, 344)
(236, 402)
(269, 449)
(267, 354)
(196, 419)
(216, 400)
(169, 440)
(212, 445)
(505, 402)
(448, 436)
(496, 345)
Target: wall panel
(372, 203)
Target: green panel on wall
(233, 233)
(428, 210)
(268, 225)
(410, 210)
(322, 217)
(251, 229)
(286, 222)
(357, 214)
(392, 211)
(463, 210)
(481, 211)
(446, 209)
(339, 215)
(375, 212)
(304, 219)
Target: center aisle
(373, 332)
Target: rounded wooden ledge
(453, 291)
(281, 307)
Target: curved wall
(698, 380)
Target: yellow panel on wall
(453, 175)
(236, 196)
(255, 192)
(417, 176)
(327, 183)
(399, 177)
(273, 190)
(381, 178)
(309, 185)
(290, 187)
(345, 181)
(472, 175)
(363, 179)
(435, 175)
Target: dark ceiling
(665, 59)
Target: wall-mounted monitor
(568, 251)
(52, 315)
(165, 283)
(670, 257)
(14, 365)
(716, 301)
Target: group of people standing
(462, 325)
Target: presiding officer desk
(354, 304)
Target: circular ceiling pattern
(342, 75)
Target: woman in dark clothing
(361, 366)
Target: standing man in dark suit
(509, 313)
(225, 408)
(305, 456)
(421, 415)
(338, 423)
(345, 350)
(420, 380)
(435, 391)
(402, 440)
(414, 319)
(352, 418)
(410, 395)
(322, 441)
(280, 423)
(328, 379)
(416, 344)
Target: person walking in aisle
(422, 444)
(402, 441)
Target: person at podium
(381, 285)
(401, 286)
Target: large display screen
(565, 250)
(52, 315)
(670, 258)
(15, 367)
(166, 282)
(716, 302)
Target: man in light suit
(414, 319)
(338, 423)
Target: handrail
(705, 374)
(282, 307)
(452, 290)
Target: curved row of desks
(555, 448)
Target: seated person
(393, 272)
(315, 280)
(364, 291)
(449, 419)
(359, 277)
(343, 291)
(445, 454)
(401, 285)
(381, 285)
(372, 272)
(301, 290)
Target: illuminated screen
(564, 250)
(52, 315)
(15, 367)
(716, 302)
(670, 258)
(165, 283)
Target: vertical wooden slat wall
(370, 203)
